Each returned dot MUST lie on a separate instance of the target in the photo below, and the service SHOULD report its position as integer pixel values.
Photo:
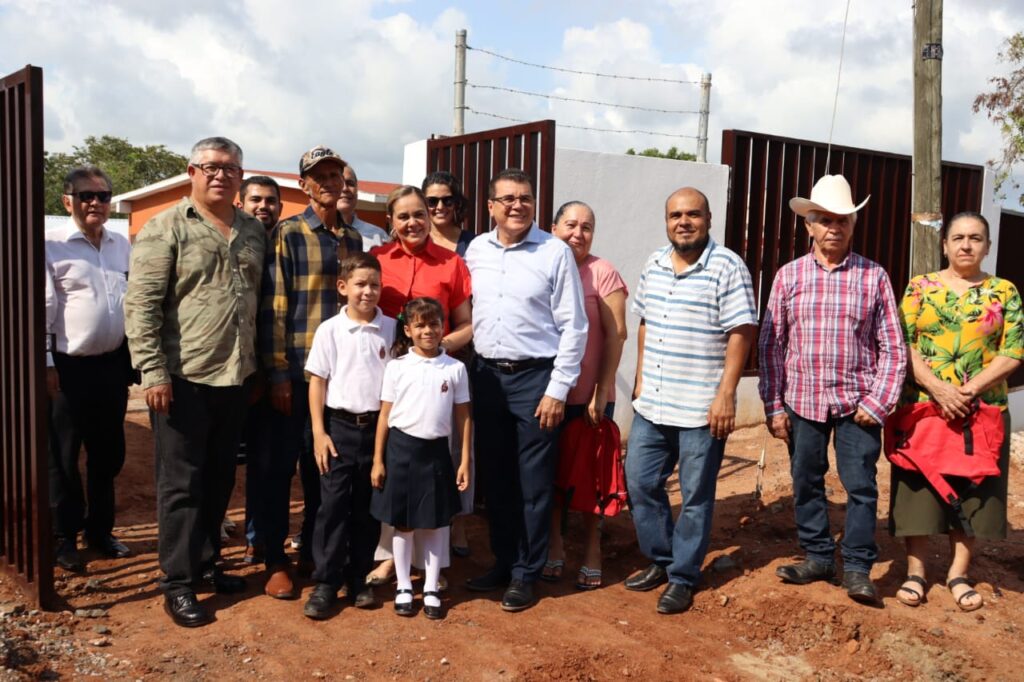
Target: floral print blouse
(959, 336)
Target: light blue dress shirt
(528, 303)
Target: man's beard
(697, 246)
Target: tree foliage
(670, 153)
(1004, 106)
(128, 166)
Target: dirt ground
(744, 624)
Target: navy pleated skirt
(419, 488)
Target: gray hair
(83, 172)
(222, 144)
(814, 216)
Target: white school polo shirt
(351, 356)
(423, 392)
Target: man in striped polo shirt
(697, 323)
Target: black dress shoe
(647, 579)
(184, 610)
(518, 597)
(493, 579)
(110, 547)
(223, 583)
(860, 588)
(67, 556)
(404, 608)
(320, 602)
(432, 612)
(675, 599)
(807, 571)
(365, 598)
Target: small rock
(724, 563)
(936, 632)
(11, 609)
(624, 672)
(852, 646)
(101, 630)
(97, 613)
(81, 613)
(745, 520)
(102, 641)
(724, 600)
(623, 622)
(775, 507)
(247, 659)
(320, 673)
(829, 491)
(34, 612)
(93, 583)
(444, 661)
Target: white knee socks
(432, 540)
(401, 547)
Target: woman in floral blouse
(965, 332)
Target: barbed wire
(652, 79)
(583, 101)
(596, 130)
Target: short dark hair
(417, 308)
(964, 215)
(356, 261)
(514, 174)
(446, 179)
(83, 172)
(261, 181)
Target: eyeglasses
(87, 196)
(210, 170)
(448, 201)
(509, 200)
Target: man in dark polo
(190, 315)
(530, 331)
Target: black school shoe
(223, 583)
(185, 610)
(860, 588)
(518, 597)
(109, 547)
(404, 609)
(320, 602)
(493, 579)
(805, 572)
(432, 612)
(67, 556)
(675, 599)
(647, 579)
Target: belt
(362, 419)
(514, 366)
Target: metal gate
(477, 157)
(25, 541)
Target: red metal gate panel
(476, 157)
(767, 171)
(25, 541)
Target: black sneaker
(320, 602)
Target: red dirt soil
(744, 623)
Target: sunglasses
(87, 196)
(448, 201)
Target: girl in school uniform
(416, 487)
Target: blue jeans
(857, 450)
(651, 456)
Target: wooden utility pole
(926, 206)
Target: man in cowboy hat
(832, 358)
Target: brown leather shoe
(279, 583)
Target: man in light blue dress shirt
(530, 330)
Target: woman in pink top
(593, 397)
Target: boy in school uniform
(346, 366)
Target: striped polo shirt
(688, 317)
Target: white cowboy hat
(830, 194)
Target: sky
(367, 77)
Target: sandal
(588, 578)
(956, 582)
(552, 572)
(917, 597)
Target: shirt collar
(414, 357)
(664, 258)
(534, 234)
(431, 251)
(190, 212)
(314, 222)
(848, 261)
(352, 325)
(72, 231)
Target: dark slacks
(291, 442)
(196, 447)
(345, 535)
(857, 451)
(517, 461)
(89, 410)
(257, 435)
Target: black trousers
(345, 535)
(517, 461)
(196, 448)
(89, 410)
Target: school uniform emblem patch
(382, 353)
(444, 386)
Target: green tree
(671, 153)
(128, 166)
(1004, 105)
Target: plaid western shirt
(300, 289)
(831, 341)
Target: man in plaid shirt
(832, 358)
(300, 290)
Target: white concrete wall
(628, 196)
(414, 163)
(992, 209)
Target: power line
(584, 73)
(596, 130)
(583, 101)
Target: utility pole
(926, 206)
(459, 125)
(705, 110)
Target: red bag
(918, 438)
(590, 474)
